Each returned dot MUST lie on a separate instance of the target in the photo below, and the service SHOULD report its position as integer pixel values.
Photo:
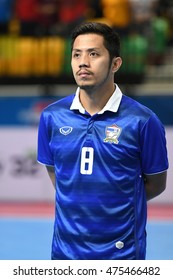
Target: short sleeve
(44, 154)
(153, 147)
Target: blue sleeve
(153, 147)
(44, 154)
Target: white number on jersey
(87, 157)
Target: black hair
(111, 38)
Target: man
(105, 154)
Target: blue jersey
(99, 165)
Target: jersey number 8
(87, 157)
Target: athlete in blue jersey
(105, 154)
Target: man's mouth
(83, 73)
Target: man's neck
(94, 101)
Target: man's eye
(76, 55)
(93, 54)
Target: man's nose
(83, 65)
(84, 61)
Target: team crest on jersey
(112, 133)
(65, 130)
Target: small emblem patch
(112, 133)
(65, 130)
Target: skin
(93, 71)
(155, 184)
(94, 74)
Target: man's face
(90, 61)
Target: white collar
(112, 104)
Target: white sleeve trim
(44, 163)
(156, 172)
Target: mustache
(83, 70)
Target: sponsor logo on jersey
(112, 133)
(65, 130)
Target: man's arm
(51, 172)
(155, 184)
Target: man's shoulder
(61, 103)
(135, 107)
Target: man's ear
(116, 64)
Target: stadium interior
(35, 69)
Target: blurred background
(35, 70)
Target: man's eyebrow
(88, 50)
